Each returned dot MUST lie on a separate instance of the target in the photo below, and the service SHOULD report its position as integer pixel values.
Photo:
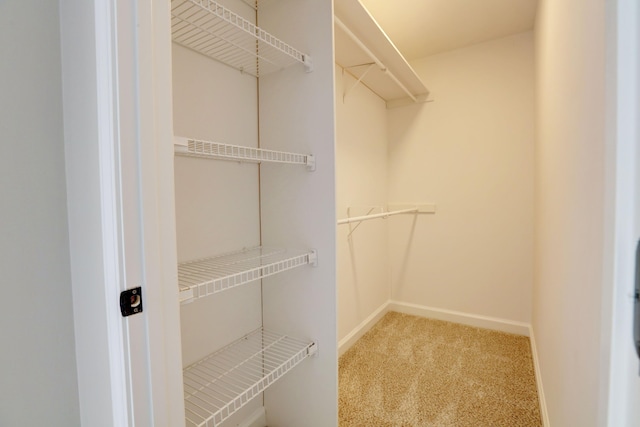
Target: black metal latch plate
(131, 302)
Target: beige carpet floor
(412, 371)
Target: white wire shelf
(214, 31)
(203, 277)
(225, 381)
(365, 51)
(216, 150)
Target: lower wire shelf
(223, 382)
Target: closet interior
(254, 180)
(441, 145)
(264, 234)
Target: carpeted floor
(410, 371)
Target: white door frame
(621, 397)
(158, 211)
(118, 154)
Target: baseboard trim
(536, 366)
(345, 343)
(493, 323)
(257, 419)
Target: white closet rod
(374, 216)
(374, 58)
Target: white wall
(217, 202)
(298, 210)
(361, 173)
(570, 209)
(471, 153)
(38, 381)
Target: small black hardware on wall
(131, 302)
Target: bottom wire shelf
(225, 381)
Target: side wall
(298, 210)
(361, 174)
(470, 152)
(570, 203)
(211, 193)
(216, 201)
(38, 383)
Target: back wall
(470, 152)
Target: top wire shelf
(207, 149)
(207, 276)
(214, 31)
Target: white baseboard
(536, 366)
(345, 343)
(494, 323)
(257, 419)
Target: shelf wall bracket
(311, 162)
(369, 67)
(374, 58)
(313, 258)
(308, 63)
(313, 349)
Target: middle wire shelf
(203, 277)
(216, 150)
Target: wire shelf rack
(225, 381)
(207, 276)
(217, 150)
(213, 30)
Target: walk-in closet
(435, 177)
(435, 181)
(212, 208)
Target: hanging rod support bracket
(358, 224)
(373, 57)
(369, 67)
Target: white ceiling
(421, 28)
